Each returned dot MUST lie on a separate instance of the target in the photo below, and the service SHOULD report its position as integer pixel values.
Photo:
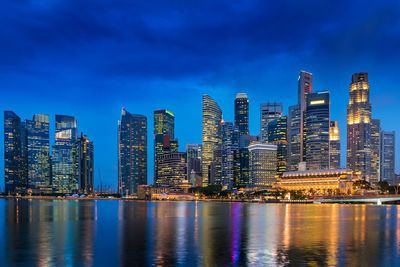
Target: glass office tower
(334, 145)
(375, 151)
(242, 113)
(262, 165)
(38, 153)
(268, 113)
(387, 157)
(86, 164)
(15, 169)
(212, 135)
(66, 156)
(277, 135)
(359, 126)
(294, 137)
(132, 152)
(317, 124)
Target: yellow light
(317, 102)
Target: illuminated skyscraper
(305, 87)
(375, 151)
(294, 137)
(242, 113)
(269, 112)
(39, 167)
(132, 152)
(277, 135)
(65, 158)
(230, 143)
(172, 168)
(164, 142)
(15, 169)
(262, 165)
(86, 164)
(359, 126)
(387, 156)
(212, 136)
(241, 167)
(193, 154)
(317, 124)
(334, 145)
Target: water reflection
(47, 233)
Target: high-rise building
(193, 154)
(305, 87)
(132, 152)
(215, 172)
(334, 145)
(262, 165)
(212, 136)
(172, 168)
(241, 167)
(230, 143)
(269, 112)
(65, 157)
(86, 164)
(294, 137)
(38, 153)
(359, 126)
(277, 135)
(15, 169)
(375, 151)
(164, 132)
(387, 156)
(242, 113)
(316, 130)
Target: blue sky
(89, 59)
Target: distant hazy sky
(89, 59)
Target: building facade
(359, 126)
(294, 137)
(172, 169)
(212, 134)
(38, 153)
(230, 143)
(316, 130)
(242, 113)
(262, 165)
(164, 136)
(268, 112)
(277, 135)
(193, 155)
(65, 157)
(86, 164)
(334, 146)
(387, 145)
(132, 152)
(304, 87)
(15, 162)
(375, 151)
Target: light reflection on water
(136, 233)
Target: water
(135, 233)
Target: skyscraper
(317, 124)
(294, 137)
(269, 112)
(334, 145)
(65, 158)
(38, 153)
(277, 135)
(86, 164)
(359, 126)
(305, 87)
(172, 168)
(230, 143)
(164, 142)
(262, 165)
(15, 175)
(193, 154)
(132, 152)
(387, 156)
(242, 113)
(375, 151)
(212, 137)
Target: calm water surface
(129, 233)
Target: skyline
(101, 69)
